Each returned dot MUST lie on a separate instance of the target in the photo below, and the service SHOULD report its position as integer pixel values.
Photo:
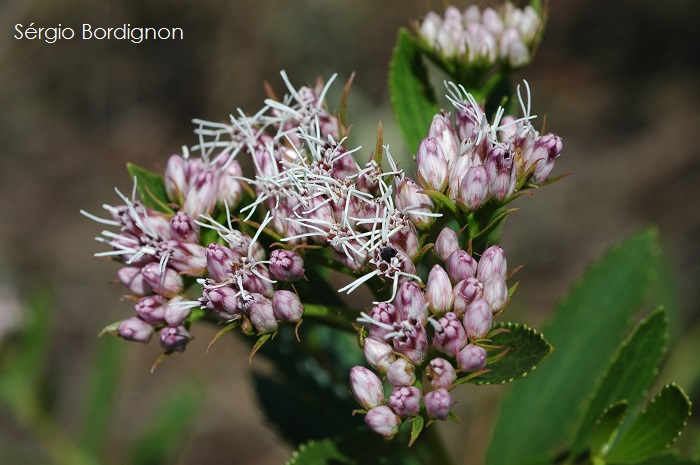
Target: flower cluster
(439, 331)
(483, 39)
(475, 161)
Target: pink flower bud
(135, 329)
(471, 358)
(438, 404)
(546, 149)
(174, 338)
(478, 319)
(405, 401)
(366, 387)
(184, 228)
(379, 354)
(287, 306)
(401, 373)
(132, 278)
(261, 312)
(222, 300)
(410, 302)
(464, 293)
(184, 256)
(513, 49)
(151, 309)
(492, 263)
(167, 282)
(412, 341)
(432, 164)
(176, 178)
(409, 199)
(229, 190)
(201, 193)
(495, 293)
(441, 373)
(430, 27)
(492, 21)
(286, 265)
(438, 290)
(460, 265)
(500, 171)
(219, 261)
(175, 315)
(474, 188)
(383, 313)
(450, 336)
(441, 129)
(382, 420)
(446, 243)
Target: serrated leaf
(586, 329)
(605, 428)
(318, 453)
(150, 187)
(412, 97)
(630, 372)
(526, 349)
(655, 429)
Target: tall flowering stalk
(208, 240)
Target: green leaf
(655, 428)
(163, 438)
(586, 329)
(412, 97)
(605, 429)
(670, 458)
(630, 372)
(150, 187)
(417, 424)
(526, 349)
(318, 453)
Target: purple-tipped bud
(151, 309)
(441, 129)
(450, 336)
(254, 283)
(432, 164)
(438, 290)
(546, 149)
(474, 188)
(383, 313)
(405, 401)
(287, 306)
(201, 193)
(184, 256)
(366, 387)
(412, 341)
(410, 302)
(446, 243)
(496, 293)
(501, 171)
(379, 354)
(167, 282)
(176, 178)
(230, 189)
(410, 200)
(132, 278)
(460, 265)
(382, 420)
(219, 261)
(464, 293)
(174, 338)
(478, 319)
(261, 312)
(492, 263)
(286, 265)
(438, 404)
(222, 300)
(441, 373)
(184, 228)
(401, 373)
(135, 329)
(471, 358)
(175, 315)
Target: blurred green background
(618, 81)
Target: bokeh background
(618, 80)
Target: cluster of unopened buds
(437, 331)
(312, 198)
(507, 36)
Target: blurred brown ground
(619, 82)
